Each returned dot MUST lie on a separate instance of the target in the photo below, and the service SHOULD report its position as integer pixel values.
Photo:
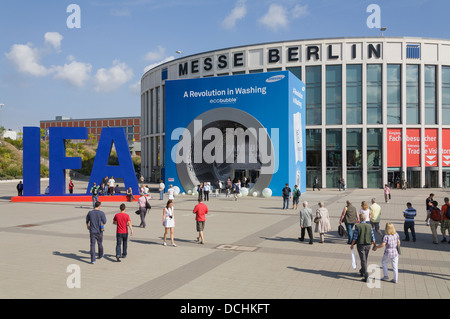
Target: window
(446, 95)
(374, 156)
(394, 107)
(354, 95)
(334, 156)
(374, 94)
(354, 158)
(334, 94)
(313, 155)
(297, 71)
(412, 94)
(314, 96)
(430, 94)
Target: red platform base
(69, 198)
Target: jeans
(363, 251)
(406, 227)
(285, 202)
(122, 240)
(161, 195)
(349, 228)
(94, 200)
(96, 238)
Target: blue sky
(48, 69)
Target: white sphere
(183, 193)
(176, 190)
(255, 194)
(267, 192)
(244, 191)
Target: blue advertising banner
(249, 128)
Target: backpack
(435, 213)
(298, 193)
(447, 212)
(286, 191)
(94, 190)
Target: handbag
(341, 230)
(147, 204)
(137, 212)
(317, 220)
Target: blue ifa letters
(58, 162)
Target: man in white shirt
(206, 190)
(111, 185)
(161, 190)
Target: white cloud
(158, 54)
(299, 11)
(135, 88)
(26, 60)
(275, 18)
(107, 80)
(76, 73)
(238, 13)
(54, 39)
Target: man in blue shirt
(409, 215)
(95, 220)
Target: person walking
(19, 188)
(387, 193)
(295, 197)
(445, 221)
(306, 223)
(200, 211)
(316, 183)
(428, 204)
(71, 185)
(171, 193)
(392, 243)
(434, 217)
(143, 209)
(286, 192)
(236, 189)
(366, 211)
(219, 188)
(349, 217)
(162, 187)
(363, 237)
(206, 190)
(168, 222)
(94, 191)
(123, 222)
(95, 221)
(409, 215)
(375, 216)
(322, 220)
(228, 187)
(200, 190)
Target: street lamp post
(1, 108)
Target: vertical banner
(394, 148)
(413, 147)
(446, 147)
(431, 147)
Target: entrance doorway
(431, 177)
(414, 177)
(395, 178)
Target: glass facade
(374, 157)
(374, 94)
(412, 94)
(354, 94)
(313, 156)
(430, 94)
(314, 97)
(354, 158)
(334, 157)
(394, 94)
(445, 95)
(334, 94)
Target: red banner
(413, 147)
(394, 148)
(445, 147)
(431, 147)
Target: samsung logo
(275, 78)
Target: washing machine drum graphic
(243, 154)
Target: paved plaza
(251, 251)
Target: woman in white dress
(168, 221)
(365, 210)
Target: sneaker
(444, 240)
(164, 244)
(174, 245)
(393, 281)
(118, 259)
(385, 278)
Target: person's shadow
(327, 273)
(84, 259)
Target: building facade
(131, 125)
(377, 108)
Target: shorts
(445, 225)
(200, 225)
(295, 200)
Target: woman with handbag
(391, 241)
(322, 221)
